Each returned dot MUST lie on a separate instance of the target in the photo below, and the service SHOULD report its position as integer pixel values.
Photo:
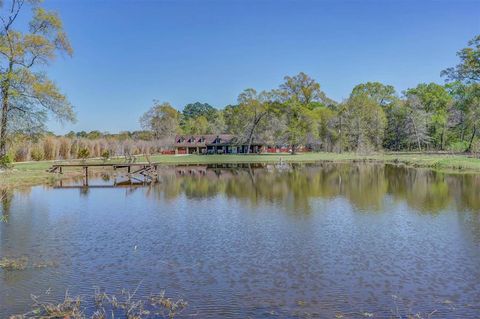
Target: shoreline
(25, 174)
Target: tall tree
(254, 108)
(298, 97)
(417, 122)
(197, 125)
(468, 70)
(162, 119)
(27, 95)
(303, 89)
(437, 101)
(468, 100)
(362, 123)
(234, 123)
(382, 94)
(194, 110)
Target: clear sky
(128, 53)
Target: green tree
(361, 124)
(395, 133)
(197, 125)
(382, 94)
(437, 101)
(194, 110)
(305, 90)
(417, 121)
(469, 101)
(27, 95)
(233, 119)
(300, 121)
(162, 119)
(254, 108)
(299, 96)
(468, 70)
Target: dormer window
(201, 139)
(191, 140)
(180, 140)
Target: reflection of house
(213, 144)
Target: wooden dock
(147, 170)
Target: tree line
(375, 116)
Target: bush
(21, 153)
(105, 155)
(459, 146)
(83, 153)
(37, 153)
(49, 148)
(6, 161)
(64, 149)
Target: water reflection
(260, 241)
(364, 185)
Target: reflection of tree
(422, 189)
(6, 196)
(365, 185)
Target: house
(214, 144)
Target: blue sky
(128, 53)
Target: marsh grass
(11, 264)
(22, 263)
(107, 306)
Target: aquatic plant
(7, 263)
(125, 305)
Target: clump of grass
(158, 306)
(13, 263)
(125, 305)
(21, 263)
(70, 308)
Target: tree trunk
(254, 127)
(3, 123)
(442, 137)
(294, 149)
(469, 148)
(250, 139)
(416, 132)
(3, 126)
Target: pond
(261, 241)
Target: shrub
(21, 153)
(83, 153)
(105, 155)
(6, 161)
(37, 153)
(459, 146)
(64, 148)
(49, 148)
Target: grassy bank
(34, 173)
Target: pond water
(306, 241)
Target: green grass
(34, 173)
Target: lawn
(34, 173)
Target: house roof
(207, 140)
(203, 140)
